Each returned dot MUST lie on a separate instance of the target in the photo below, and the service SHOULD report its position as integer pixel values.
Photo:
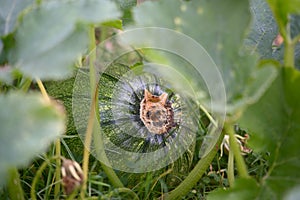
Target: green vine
(289, 49)
(234, 147)
(194, 176)
(92, 126)
(57, 143)
(14, 185)
(231, 168)
(39, 174)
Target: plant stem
(38, 175)
(112, 176)
(128, 191)
(57, 168)
(87, 144)
(241, 166)
(43, 90)
(231, 168)
(90, 126)
(25, 84)
(211, 119)
(289, 49)
(194, 176)
(57, 144)
(14, 185)
(35, 180)
(92, 59)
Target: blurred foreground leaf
(54, 34)
(245, 189)
(220, 28)
(28, 125)
(9, 12)
(274, 126)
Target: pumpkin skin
(124, 113)
(107, 84)
(122, 95)
(129, 144)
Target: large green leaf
(263, 31)
(273, 123)
(245, 189)
(282, 9)
(50, 37)
(28, 124)
(220, 28)
(9, 12)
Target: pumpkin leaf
(282, 9)
(273, 124)
(237, 67)
(246, 189)
(263, 31)
(56, 31)
(28, 125)
(9, 12)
